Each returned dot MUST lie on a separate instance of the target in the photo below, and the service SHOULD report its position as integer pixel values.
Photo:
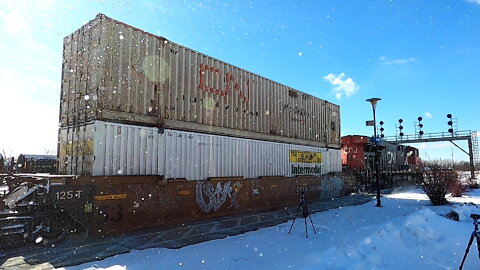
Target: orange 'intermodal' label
(110, 197)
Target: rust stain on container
(116, 72)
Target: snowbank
(406, 233)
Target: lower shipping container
(105, 149)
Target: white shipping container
(104, 149)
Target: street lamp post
(374, 101)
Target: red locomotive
(396, 163)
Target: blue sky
(421, 57)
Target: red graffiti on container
(230, 83)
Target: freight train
(153, 133)
(396, 162)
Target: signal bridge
(470, 136)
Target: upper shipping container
(115, 72)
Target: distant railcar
(2, 163)
(36, 163)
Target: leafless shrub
(456, 187)
(472, 183)
(439, 179)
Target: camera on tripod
(475, 235)
(305, 214)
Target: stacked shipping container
(119, 149)
(125, 91)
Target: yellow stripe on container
(111, 197)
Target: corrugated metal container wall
(76, 149)
(115, 72)
(119, 149)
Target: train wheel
(388, 181)
(58, 227)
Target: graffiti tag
(330, 187)
(311, 188)
(210, 198)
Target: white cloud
(404, 61)
(428, 115)
(18, 28)
(473, 1)
(45, 4)
(15, 24)
(28, 113)
(28, 126)
(30, 77)
(438, 145)
(343, 86)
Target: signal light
(450, 123)
(400, 127)
(420, 125)
(382, 129)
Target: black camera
(475, 216)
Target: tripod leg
(478, 243)
(306, 229)
(294, 218)
(311, 221)
(313, 226)
(466, 251)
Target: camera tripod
(475, 234)
(305, 214)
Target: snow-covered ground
(406, 233)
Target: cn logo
(225, 86)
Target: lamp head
(373, 101)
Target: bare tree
(439, 179)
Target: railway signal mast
(452, 135)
